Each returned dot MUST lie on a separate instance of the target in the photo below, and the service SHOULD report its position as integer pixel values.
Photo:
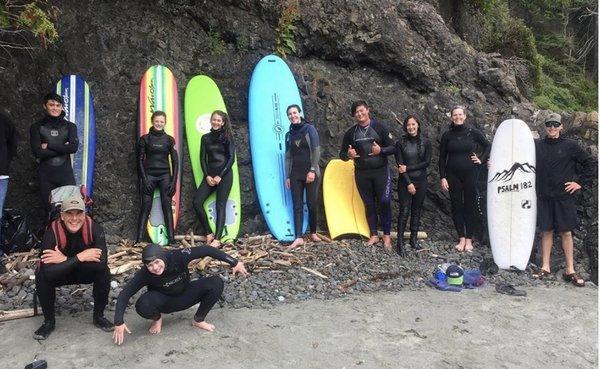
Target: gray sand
(550, 328)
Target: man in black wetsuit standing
(53, 139)
(368, 143)
(169, 289)
(556, 186)
(73, 252)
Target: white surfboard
(511, 198)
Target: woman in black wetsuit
(458, 167)
(154, 151)
(169, 288)
(217, 153)
(413, 155)
(302, 154)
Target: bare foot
(373, 240)
(203, 325)
(297, 242)
(156, 326)
(215, 243)
(387, 242)
(209, 238)
(468, 245)
(315, 237)
(461, 245)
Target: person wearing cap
(556, 185)
(169, 289)
(73, 252)
(53, 139)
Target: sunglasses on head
(553, 124)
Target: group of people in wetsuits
(74, 247)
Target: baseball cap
(455, 274)
(553, 117)
(74, 202)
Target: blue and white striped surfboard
(79, 109)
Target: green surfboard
(202, 97)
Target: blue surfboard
(79, 109)
(272, 89)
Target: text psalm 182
(515, 187)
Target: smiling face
(73, 220)
(294, 115)
(458, 116)
(216, 121)
(361, 115)
(156, 266)
(53, 108)
(552, 131)
(412, 127)
(158, 122)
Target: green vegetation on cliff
(17, 17)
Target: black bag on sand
(16, 233)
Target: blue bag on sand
(473, 278)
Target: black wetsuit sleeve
(141, 151)
(11, 142)
(230, 146)
(400, 160)
(288, 156)
(346, 142)
(589, 167)
(485, 144)
(194, 253)
(56, 271)
(426, 158)
(388, 146)
(100, 242)
(203, 157)
(443, 156)
(135, 284)
(174, 160)
(72, 141)
(315, 149)
(35, 141)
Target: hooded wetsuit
(154, 151)
(55, 168)
(415, 153)
(217, 153)
(371, 172)
(172, 290)
(302, 155)
(455, 164)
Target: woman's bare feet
(372, 241)
(468, 245)
(215, 243)
(315, 237)
(210, 238)
(461, 245)
(203, 325)
(297, 242)
(387, 242)
(156, 326)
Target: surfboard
(272, 89)
(79, 109)
(344, 207)
(511, 198)
(202, 97)
(158, 91)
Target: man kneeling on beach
(73, 252)
(166, 275)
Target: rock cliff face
(398, 55)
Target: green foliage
(35, 16)
(216, 44)
(285, 43)
(243, 43)
(453, 89)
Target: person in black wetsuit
(53, 139)
(169, 289)
(217, 153)
(368, 143)
(458, 166)
(73, 252)
(556, 185)
(155, 171)
(302, 155)
(413, 156)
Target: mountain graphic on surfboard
(507, 175)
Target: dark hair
(416, 119)
(293, 106)
(53, 96)
(456, 107)
(226, 122)
(356, 104)
(158, 113)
